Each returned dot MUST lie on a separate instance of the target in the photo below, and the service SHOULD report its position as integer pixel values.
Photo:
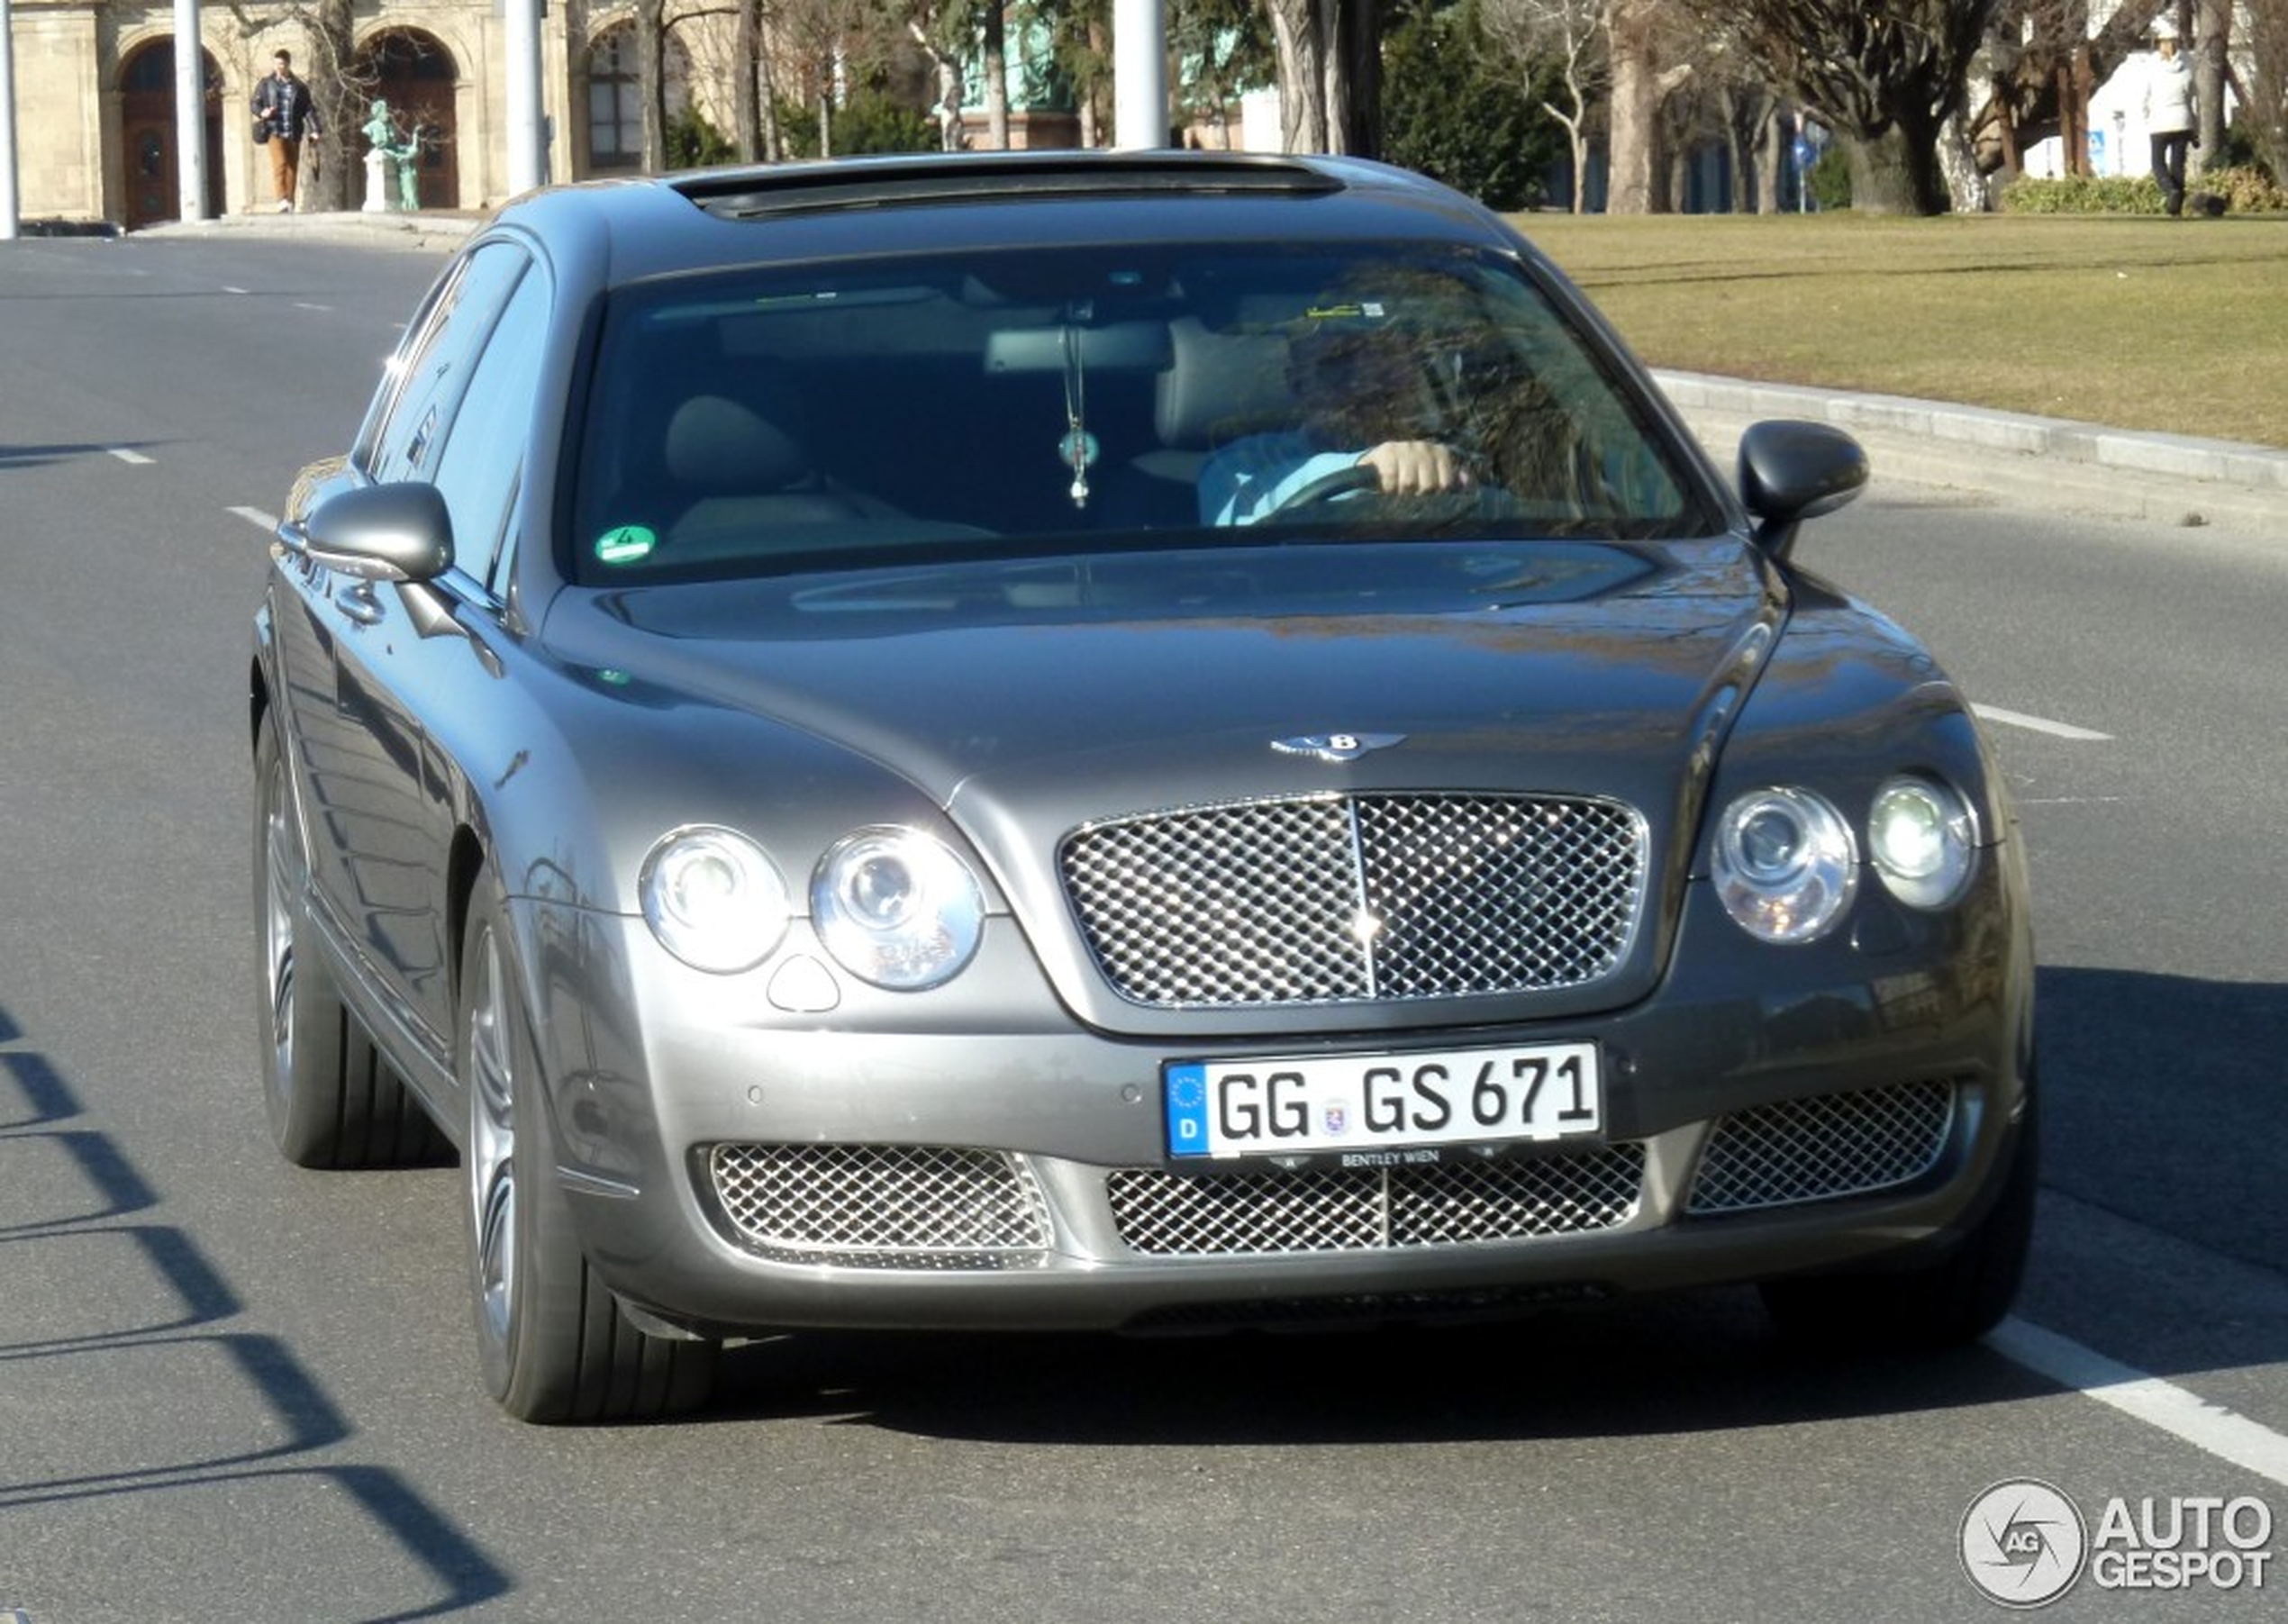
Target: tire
(331, 1101)
(553, 1342)
(1956, 1298)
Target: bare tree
(1748, 115)
(943, 45)
(831, 44)
(1571, 33)
(2045, 57)
(1885, 76)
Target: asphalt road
(232, 1390)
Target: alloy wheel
(492, 1145)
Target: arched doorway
(615, 98)
(153, 188)
(416, 74)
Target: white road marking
(2186, 1416)
(305, 304)
(2039, 724)
(124, 455)
(255, 515)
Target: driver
(1354, 385)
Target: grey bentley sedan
(1125, 743)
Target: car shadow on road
(1692, 1362)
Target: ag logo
(2023, 1542)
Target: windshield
(1051, 401)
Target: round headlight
(1784, 864)
(713, 899)
(1921, 839)
(896, 908)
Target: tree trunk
(1965, 187)
(340, 100)
(1897, 172)
(745, 114)
(1771, 162)
(1632, 187)
(2073, 124)
(1354, 101)
(1330, 74)
(1736, 163)
(1302, 75)
(649, 31)
(995, 49)
(2209, 70)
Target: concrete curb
(385, 229)
(2081, 468)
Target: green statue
(381, 131)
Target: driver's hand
(1416, 467)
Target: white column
(190, 109)
(1140, 74)
(7, 124)
(526, 140)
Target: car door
(402, 656)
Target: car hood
(1027, 699)
(1066, 690)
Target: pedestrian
(2169, 117)
(283, 114)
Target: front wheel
(553, 1344)
(1958, 1298)
(330, 1099)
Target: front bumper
(732, 1168)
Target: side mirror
(1793, 471)
(377, 532)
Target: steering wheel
(1474, 500)
(1342, 482)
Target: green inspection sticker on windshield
(628, 544)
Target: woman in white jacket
(2169, 117)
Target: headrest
(1222, 386)
(715, 444)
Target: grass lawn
(2179, 326)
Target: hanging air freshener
(1078, 451)
(1079, 447)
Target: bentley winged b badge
(1336, 747)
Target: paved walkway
(2076, 466)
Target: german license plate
(1380, 1107)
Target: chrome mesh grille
(1333, 899)
(1831, 1145)
(1357, 1208)
(882, 1206)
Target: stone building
(94, 80)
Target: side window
(381, 411)
(435, 368)
(479, 465)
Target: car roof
(650, 226)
